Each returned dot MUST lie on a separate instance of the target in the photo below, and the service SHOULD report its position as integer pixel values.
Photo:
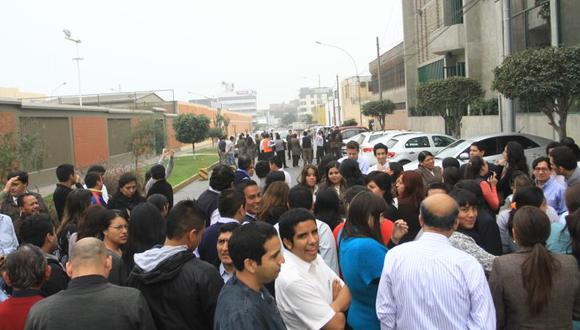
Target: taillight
(390, 154)
(367, 149)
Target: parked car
(367, 138)
(404, 148)
(350, 131)
(534, 147)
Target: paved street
(194, 189)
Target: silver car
(367, 138)
(404, 148)
(534, 147)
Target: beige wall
(349, 99)
(536, 124)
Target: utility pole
(379, 70)
(508, 115)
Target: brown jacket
(430, 177)
(509, 295)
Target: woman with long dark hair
(513, 159)
(333, 179)
(362, 255)
(127, 195)
(478, 170)
(533, 288)
(351, 173)
(76, 204)
(147, 230)
(309, 178)
(274, 202)
(410, 192)
(327, 208)
(381, 185)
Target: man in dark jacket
(38, 230)
(222, 177)
(65, 173)
(160, 185)
(245, 169)
(16, 185)
(181, 290)
(90, 302)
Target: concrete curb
(191, 179)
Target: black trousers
(282, 156)
(295, 160)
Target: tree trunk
(193, 150)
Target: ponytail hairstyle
(532, 228)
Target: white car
(366, 138)
(534, 147)
(405, 147)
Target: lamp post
(56, 88)
(356, 71)
(78, 59)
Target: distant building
(310, 98)
(242, 101)
(354, 93)
(16, 93)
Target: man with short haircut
(94, 182)
(253, 197)
(381, 153)
(306, 144)
(181, 289)
(478, 149)
(222, 178)
(100, 169)
(39, 231)
(276, 166)
(160, 184)
(301, 197)
(16, 185)
(429, 284)
(245, 169)
(244, 302)
(24, 271)
(28, 205)
(226, 267)
(554, 190)
(90, 302)
(564, 163)
(262, 169)
(437, 188)
(309, 294)
(352, 150)
(231, 206)
(65, 173)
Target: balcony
(451, 39)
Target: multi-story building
(310, 98)
(392, 85)
(242, 101)
(354, 93)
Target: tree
(350, 122)
(190, 128)
(449, 98)
(289, 118)
(547, 79)
(379, 110)
(215, 133)
(142, 139)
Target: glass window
(523, 141)
(391, 143)
(441, 141)
(418, 142)
(375, 136)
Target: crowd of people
(342, 246)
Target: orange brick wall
(171, 141)
(90, 140)
(7, 122)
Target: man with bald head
(429, 284)
(90, 302)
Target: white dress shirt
(362, 164)
(326, 247)
(8, 240)
(304, 292)
(287, 177)
(429, 284)
(376, 167)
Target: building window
(433, 71)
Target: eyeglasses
(120, 227)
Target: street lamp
(355, 69)
(56, 88)
(68, 36)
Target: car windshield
(359, 138)
(453, 149)
(375, 136)
(391, 143)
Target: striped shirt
(429, 284)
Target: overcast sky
(192, 45)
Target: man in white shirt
(226, 267)
(276, 165)
(309, 294)
(381, 152)
(352, 150)
(429, 284)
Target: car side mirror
(464, 156)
